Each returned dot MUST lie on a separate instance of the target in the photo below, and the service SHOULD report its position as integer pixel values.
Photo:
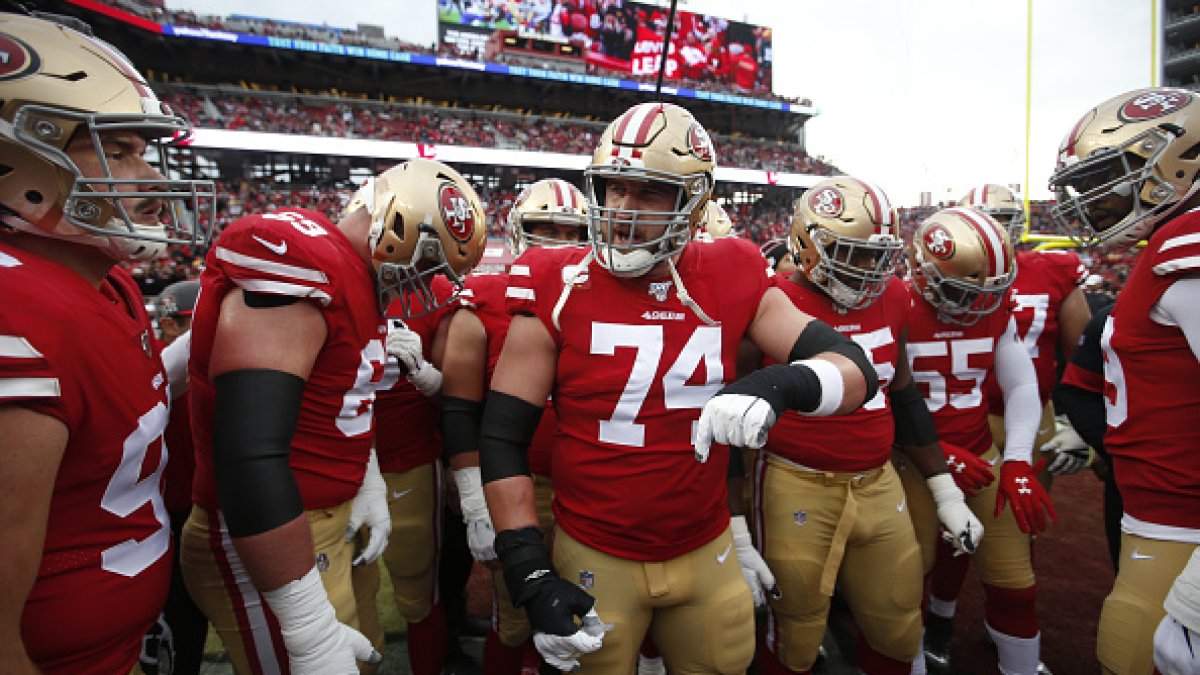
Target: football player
(409, 451)
(550, 212)
(1051, 311)
(83, 390)
(829, 505)
(287, 352)
(960, 332)
(1127, 172)
(635, 336)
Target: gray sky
(915, 95)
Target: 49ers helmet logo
(1154, 103)
(699, 142)
(456, 212)
(827, 202)
(939, 243)
(17, 59)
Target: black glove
(551, 602)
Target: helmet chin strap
(568, 285)
(682, 294)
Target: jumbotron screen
(618, 37)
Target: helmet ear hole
(397, 227)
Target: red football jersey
(86, 358)
(484, 294)
(1044, 280)
(407, 429)
(1152, 386)
(862, 440)
(950, 363)
(635, 366)
(299, 254)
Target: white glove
(1072, 451)
(405, 345)
(733, 419)
(754, 568)
(481, 536)
(426, 378)
(563, 651)
(1176, 648)
(370, 508)
(317, 644)
(963, 529)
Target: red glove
(1019, 486)
(971, 473)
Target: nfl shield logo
(322, 562)
(800, 517)
(659, 290)
(586, 580)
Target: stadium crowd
(354, 118)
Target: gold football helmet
(57, 85)
(716, 223)
(1128, 161)
(651, 142)
(845, 236)
(425, 220)
(552, 201)
(1001, 204)
(962, 264)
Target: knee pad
(1125, 638)
(1012, 611)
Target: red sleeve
(1179, 253)
(1084, 379)
(279, 253)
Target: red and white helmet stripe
(565, 196)
(997, 254)
(633, 130)
(882, 212)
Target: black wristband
(508, 427)
(254, 417)
(783, 386)
(460, 425)
(525, 562)
(914, 424)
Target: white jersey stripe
(283, 288)
(520, 293)
(252, 603)
(1181, 240)
(17, 347)
(1178, 265)
(30, 387)
(7, 260)
(518, 271)
(270, 266)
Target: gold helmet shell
(717, 223)
(1125, 164)
(1002, 204)
(426, 220)
(653, 142)
(550, 200)
(962, 263)
(845, 236)
(57, 84)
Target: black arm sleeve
(1085, 408)
(460, 425)
(819, 337)
(914, 424)
(254, 418)
(504, 438)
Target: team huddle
(651, 432)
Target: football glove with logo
(963, 530)
(1072, 451)
(1019, 487)
(370, 508)
(969, 471)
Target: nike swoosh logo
(721, 558)
(277, 249)
(401, 493)
(1140, 556)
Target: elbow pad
(254, 418)
(504, 438)
(914, 424)
(818, 337)
(460, 425)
